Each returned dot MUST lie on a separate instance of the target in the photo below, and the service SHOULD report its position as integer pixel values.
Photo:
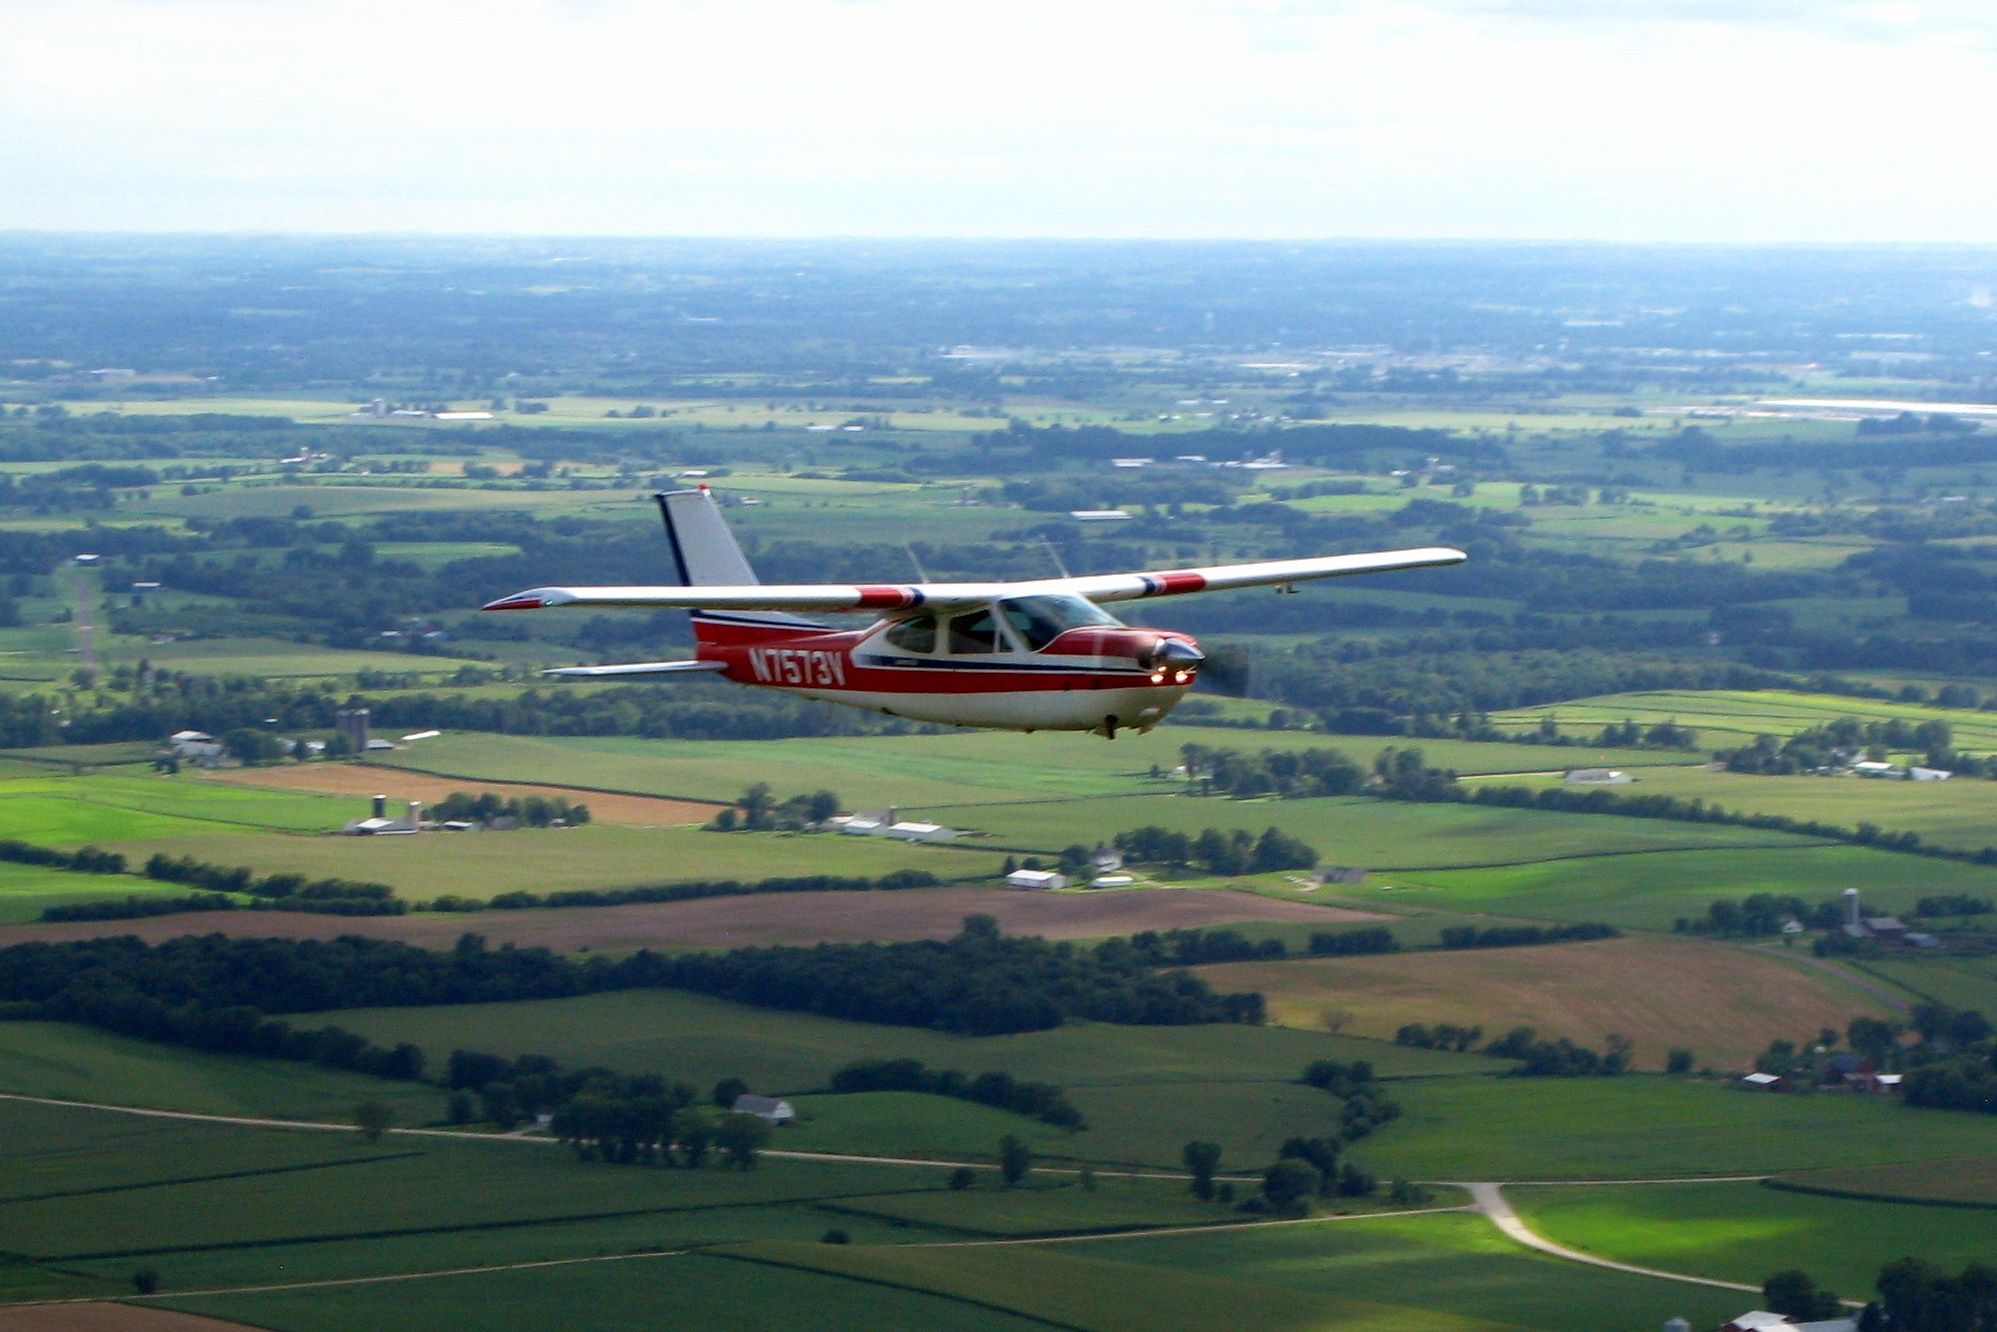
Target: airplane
(1025, 655)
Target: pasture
(1723, 1004)
(1743, 1232)
(1639, 1126)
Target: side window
(974, 633)
(1031, 623)
(914, 635)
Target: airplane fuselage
(1097, 678)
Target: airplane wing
(907, 596)
(640, 668)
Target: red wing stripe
(879, 597)
(1170, 584)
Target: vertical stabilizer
(706, 554)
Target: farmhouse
(766, 1108)
(1761, 1320)
(1766, 1082)
(1036, 879)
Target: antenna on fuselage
(1055, 556)
(921, 576)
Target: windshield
(1040, 620)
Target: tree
(1678, 1061)
(1289, 1181)
(145, 1281)
(741, 1138)
(1201, 1159)
(1015, 1161)
(373, 1119)
(963, 1177)
(693, 1134)
(728, 1091)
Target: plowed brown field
(401, 787)
(1724, 1004)
(733, 922)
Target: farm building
(1111, 881)
(1340, 874)
(766, 1108)
(379, 824)
(1597, 777)
(1761, 1320)
(195, 746)
(1766, 1082)
(889, 823)
(1106, 859)
(1027, 878)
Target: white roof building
(1027, 878)
(766, 1108)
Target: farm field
(1721, 1003)
(755, 920)
(1446, 1263)
(1970, 1180)
(28, 890)
(1388, 837)
(1725, 718)
(1654, 890)
(347, 779)
(935, 771)
(1959, 982)
(668, 1290)
(482, 865)
(64, 1061)
(1580, 1128)
(1958, 813)
(1743, 1232)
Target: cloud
(1671, 120)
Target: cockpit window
(1040, 620)
(915, 634)
(974, 633)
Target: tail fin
(706, 554)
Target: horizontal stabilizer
(639, 668)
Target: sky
(1623, 120)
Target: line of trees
(1537, 1057)
(533, 811)
(1218, 852)
(977, 983)
(84, 860)
(1517, 936)
(1042, 1100)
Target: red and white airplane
(1034, 655)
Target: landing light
(1157, 677)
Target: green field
(1958, 981)
(1959, 813)
(932, 771)
(1639, 1126)
(1652, 891)
(1047, 1205)
(680, 1290)
(596, 856)
(69, 1062)
(887, 1123)
(1724, 718)
(1448, 1264)
(1385, 836)
(1743, 1232)
(1971, 1180)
